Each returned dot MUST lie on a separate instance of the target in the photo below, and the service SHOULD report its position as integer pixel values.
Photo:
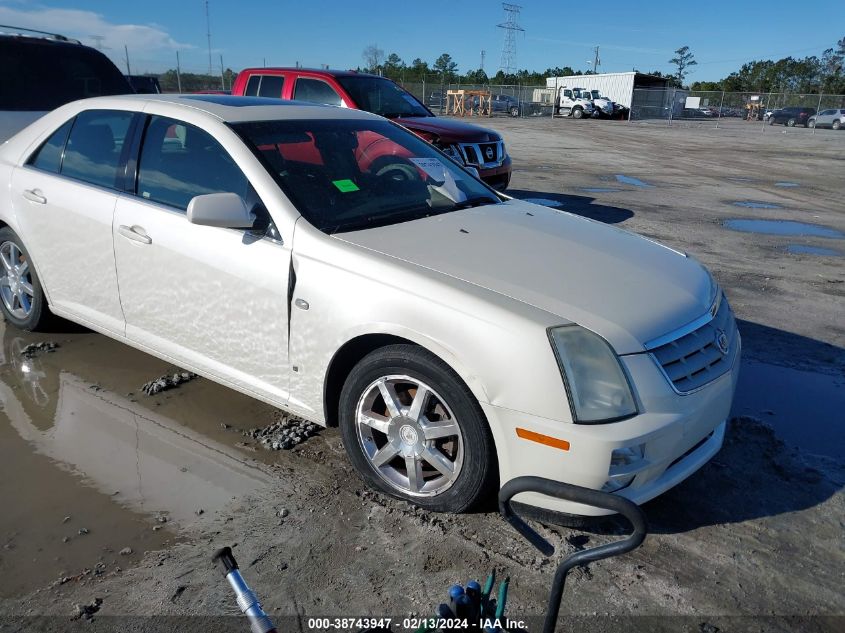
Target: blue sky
(313, 32)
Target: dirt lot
(113, 494)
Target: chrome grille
(483, 154)
(694, 359)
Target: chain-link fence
(670, 105)
(505, 100)
(679, 105)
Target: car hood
(624, 287)
(448, 130)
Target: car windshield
(43, 76)
(383, 97)
(348, 175)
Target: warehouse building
(645, 95)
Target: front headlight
(598, 388)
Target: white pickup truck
(574, 102)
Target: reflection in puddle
(600, 189)
(805, 408)
(756, 204)
(805, 249)
(787, 185)
(636, 182)
(782, 227)
(95, 472)
(545, 202)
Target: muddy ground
(110, 493)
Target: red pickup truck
(469, 144)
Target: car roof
(228, 108)
(327, 72)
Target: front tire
(413, 430)
(577, 113)
(22, 299)
(836, 124)
(514, 112)
(811, 123)
(790, 123)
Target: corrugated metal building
(619, 87)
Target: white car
(331, 263)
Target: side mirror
(227, 210)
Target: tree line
(810, 75)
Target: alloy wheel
(409, 435)
(15, 281)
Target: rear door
(214, 299)
(65, 196)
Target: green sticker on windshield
(345, 186)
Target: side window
(567, 93)
(94, 145)
(271, 86)
(49, 156)
(315, 91)
(180, 161)
(252, 85)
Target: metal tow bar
(247, 600)
(578, 494)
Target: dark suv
(468, 144)
(792, 116)
(42, 71)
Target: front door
(212, 298)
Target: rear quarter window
(48, 157)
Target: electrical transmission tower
(511, 26)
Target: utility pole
(208, 35)
(126, 50)
(178, 73)
(222, 74)
(596, 60)
(483, 55)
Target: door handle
(34, 195)
(134, 233)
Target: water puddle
(600, 189)
(805, 249)
(636, 182)
(756, 204)
(99, 478)
(783, 227)
(545, 202)
(804, 408)
(787, 185)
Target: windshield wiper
(478, 201)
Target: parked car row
(791, 116)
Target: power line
(511, 26)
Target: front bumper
(679, 433)
(497, 177)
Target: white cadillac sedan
(331, 263)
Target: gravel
(166, 382)
(283, 434)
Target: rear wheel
(21, 297)
(413, 429)
(811, 123)
(836, 124)
(514, 111)
(790, 122)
